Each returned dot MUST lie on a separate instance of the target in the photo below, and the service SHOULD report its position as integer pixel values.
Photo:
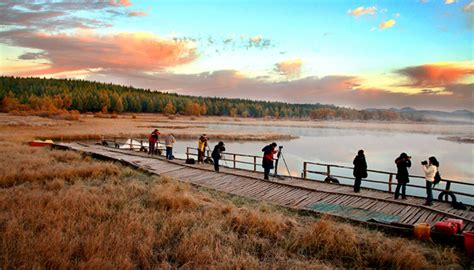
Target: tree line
(35, 94)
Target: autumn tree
(169, 108)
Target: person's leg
(168, 152)
(266, 173)
(199, 156)
(429, 193)
(357, 183)
(397, 191)
(216, 165)
(171, 153)
(152, 148)
(404, 189)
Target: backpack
(437, 179)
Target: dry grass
(95, 128)
(177, 135)
(61, 210)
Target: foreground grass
(61, 210)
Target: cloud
(258, 42)
(88, 50)
(290, 68)
(469, 7)
(362, 11)
(448, 2)
(436, 75)
(58, 15)
(339, 90)
(32, 56)
(137, 14)
(124, 3)
(387, 24)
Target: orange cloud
(87, 50)
(436, 75)
(137, 14)
(362, 10)
(290, 68)
(124, 3)
(469, 7)
(387, 24)
(339, 90)
(448, 2)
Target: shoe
(396, 198)
(404, 198)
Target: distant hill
(461, 116)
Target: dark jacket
(217, 152)
(402, 169)
(360, 166)
(267, 160)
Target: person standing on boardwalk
(217, 154)
(267, 161)
(202, 145)
(430, 168)
(154, 136)
(403, 163)
(169, 141)
(360, 169)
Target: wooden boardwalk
(369, 205)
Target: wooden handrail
(382, 172)
(390, 174)
(229, 153)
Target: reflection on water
(339, 146)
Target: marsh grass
(61, 210)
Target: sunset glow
(375, 54)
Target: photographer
(403, 163)
(360, 169)
(267, 161)
(217, 154)
(430, 168)
(154, 137)
(202, 145)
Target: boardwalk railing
(137, 144)
(251, 161)
(326, 170)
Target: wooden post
(187, 152)
(131, 148)
(254, 163)
(305, 167)
(141, 145)
(390, 176)
(234, 160)
(328, 170)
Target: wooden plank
(405, 218)
(414, 218)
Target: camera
(424, 162)
(281, 146)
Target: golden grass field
(61, 210)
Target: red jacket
(269, 155)
(154, 137)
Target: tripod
(280, 155)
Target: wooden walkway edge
(367, 206)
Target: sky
(359, 54)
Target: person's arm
(429, 169)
